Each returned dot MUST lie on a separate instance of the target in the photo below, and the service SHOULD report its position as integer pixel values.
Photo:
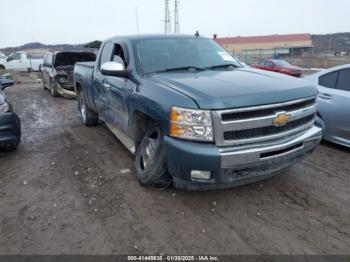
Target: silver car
(333, 103)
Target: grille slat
(264, 112)
(256, 124)
(266, 131)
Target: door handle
(325, 96)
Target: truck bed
(83, 74)
(87, 64)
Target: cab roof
(152, 36)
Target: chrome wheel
(83, 109)
(149, 148)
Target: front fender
(156, 101)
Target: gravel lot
(69, 189)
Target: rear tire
(150, 161)
(88, 117)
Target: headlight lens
(4, 108)
(191, 124)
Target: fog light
(202, 175)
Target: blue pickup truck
(192, 115)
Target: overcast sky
(81, 21)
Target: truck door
(47, 69)
(334, 104)
(100, 84)
(119, 90)
(16, 61)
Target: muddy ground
(69, 189)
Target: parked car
(333, 103)
(192, 115)
(10, 124)
(280, 66)
(21, 61)
(57, 71)
(241, 62)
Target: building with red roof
(269, 44)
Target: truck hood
(241, 87)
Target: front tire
(43, 82)
(150, 161)
(53, 90)
(89, 117)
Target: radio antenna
(139, 48)
(137, 21)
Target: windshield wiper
(223, 66)
(184, 68)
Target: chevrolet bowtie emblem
(281, 119)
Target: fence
(307, 60)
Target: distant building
(293, 44)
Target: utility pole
(176, 18)
(167, 19)
(330, 43)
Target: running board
(126, 140)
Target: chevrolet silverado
(192, 115)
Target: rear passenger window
(328, 80)
(106, 55)
(269, 64)
(344, 80)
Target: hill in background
(43, 47)
(339, 42)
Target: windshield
(281, 63)
(156, 55)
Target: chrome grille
(256, 124)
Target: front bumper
(66, 91)
(235, 166)
(10, 131)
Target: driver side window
(118, 55)
(17, 56)
(106, 55)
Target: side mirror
(8, 59)
(4, 83)
(114, 69)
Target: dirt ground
(69, 189)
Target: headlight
(62, 79)
(4, 108)
(191, 124)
